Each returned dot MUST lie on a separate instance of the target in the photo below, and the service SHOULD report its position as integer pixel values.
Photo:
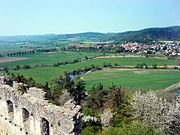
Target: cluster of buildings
(168, 48)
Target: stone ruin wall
(31, 114)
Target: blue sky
(27, 17)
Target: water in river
(177, 91)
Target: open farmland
(43, 74)
(134, 78)
(10, 59)
(48, 58)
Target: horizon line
(18, 35)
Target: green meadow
(49, 58)
(43, 74)
(154, 79)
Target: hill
(145, 35)
(149, 34)
(90, 36)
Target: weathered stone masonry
(31, 114)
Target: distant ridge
(149, 34)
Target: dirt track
(127, 56)
(2, 60)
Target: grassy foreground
(136, 78)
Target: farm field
(47, 58)
(154, 79)
(6, 47)
(133, 61)
(9, 59)
(43, 74)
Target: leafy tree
(78, 91)
(18, 78)
(86, 58)
(31, 82)
(117, 101)
(17, 67)
(55, 89)
(115, 98)
(99, 87)
(107, 117)
(6, 70)
(66, 80)
(97, 97)
(154, 66)
(141, 65)
(158, 112)
(26, 66)
(47, 90)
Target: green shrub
(154, 66)
(135, 128)
(89, 111)
(90, 130)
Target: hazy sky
(19, 17)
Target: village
(167, 48)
